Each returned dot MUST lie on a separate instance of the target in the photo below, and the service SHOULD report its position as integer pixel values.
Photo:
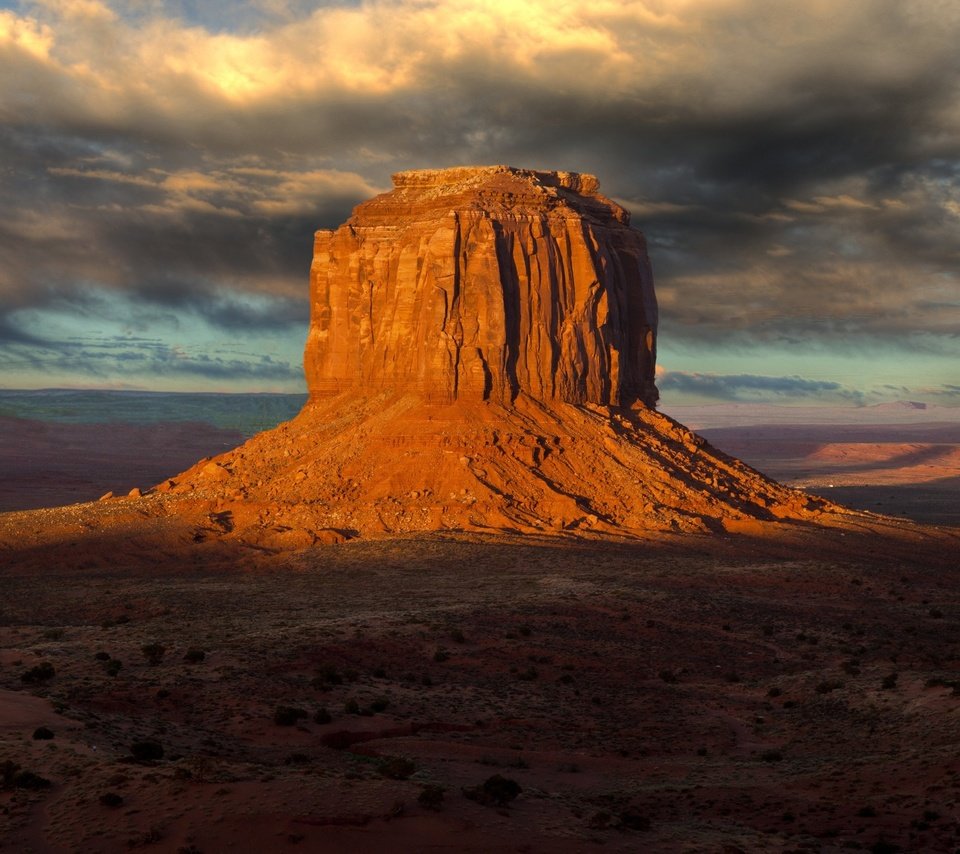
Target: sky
(794, 165)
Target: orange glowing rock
(481, 357)
(484, 284)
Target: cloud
(794, 165)
(752, 387)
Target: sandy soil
(45, 464)
(907, 470)
(793, 687)
(792, 692)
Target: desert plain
(791, 691)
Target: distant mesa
(481, 356)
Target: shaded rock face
(484, 283)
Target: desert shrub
(634, 821)
(297, 759)
(774, 692)
(441, 655)
(379, 704)
(495, 791)
(322, 716)
(668, 676)
(29, 780)
(102, 656)
(528, 675)
(328, 675)
(936, 613)
(113, 666)
(42, 733)
(771, 756)
(526, 631)
(867, 812)
(599, 820)
(288, 715)
(153, 653)
(194, 655)
(396, 767)
(351, 707)
(565, 679)
(146, 751)
(53, 634)
(889, 682)
(829, 685)
(12, 777)
(39, 673)
(8, 770)
(732, 677)
(111, 799)
(431, 797)
(457, 636)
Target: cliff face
(483, 284)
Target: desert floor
(795, 692)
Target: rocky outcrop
(480, 357)
(484, 284)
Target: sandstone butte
(481, 356)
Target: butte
(481, 357)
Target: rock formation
(481, 356)
(483, 284)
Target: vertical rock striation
(483, 284)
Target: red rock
(482, 284)
(481, 356)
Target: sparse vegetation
(288, 715)
(494, 791)
(41, 672)
(153, 653)
(431, 797)
(13, 777)
(147, 751)
(396, 768)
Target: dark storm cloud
(794, 165)
(133, 358)
(752, 387)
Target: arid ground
(797, 691)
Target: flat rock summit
(481, 356)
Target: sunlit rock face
(485, 283)
(480, 357)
